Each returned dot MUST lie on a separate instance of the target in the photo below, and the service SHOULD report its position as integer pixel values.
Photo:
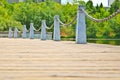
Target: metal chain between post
(37, 29)
(28, 29)
(63, 24)
(19, 31)
(101, 20)
(50, 26)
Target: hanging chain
(17, 30)
(63, 24)
(37, 29)
(101, 20)
(50, 26)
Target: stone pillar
(15, 33)
(10, 33)
(31, 35)
(56, 36)
(43, 30)
(81, 27)
(24, 34)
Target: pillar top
(80, 7)
(43, 20)
(31, 23)
(56, 16)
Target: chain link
(50, 26)
(101, 20)
(27, 29)
(63, 24)
(37, 29)
(17, 30)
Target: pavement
(33, 59)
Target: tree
(6, 20)
(89, 7)
(115, 6)
(101, 5)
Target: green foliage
(101, 5)
(68, 31)
(89, 7)
(108, 29)
(80, 2)
(36, 12)
(6, 20)
(115, 6)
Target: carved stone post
(43, 30)
(10, 33)
(24, 34)
(31, 36)
(56, 29)
(81, 27)
(15, 33)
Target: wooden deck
(25, 59)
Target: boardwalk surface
(24, 59)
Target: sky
(95, 2)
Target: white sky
(95, 2)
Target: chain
(63, 24)
(17, 30)
(27, 30)
(11, 30)
(50, 26)
(101, 20)
(37, 29)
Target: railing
(4, 34)
(80, 27)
